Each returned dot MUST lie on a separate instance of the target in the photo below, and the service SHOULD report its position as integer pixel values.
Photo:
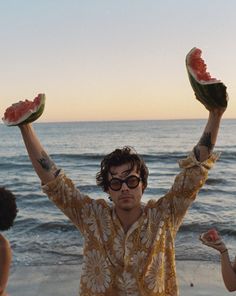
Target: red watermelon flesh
(198, 66)
(211, 235)
(24, 111)
(211, 92)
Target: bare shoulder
(4, 244)
(5, 262)
(5, 255)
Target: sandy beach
(196, 278)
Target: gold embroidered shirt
(140, 262)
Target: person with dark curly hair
(126, 155)
(8, 212)
(129, 246)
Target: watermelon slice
(211, 236)
(24, 111)
(209, 91)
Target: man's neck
(128, 217)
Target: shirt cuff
(191, 161)
(52, 186)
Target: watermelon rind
(31, 115)
(212, 93)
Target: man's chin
(127, 207)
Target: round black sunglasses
(131, 181)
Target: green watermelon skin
(212, 94)
(33, 116)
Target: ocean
(42, 235)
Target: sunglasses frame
(121, 181)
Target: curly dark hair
(119, 157)
(8, 209)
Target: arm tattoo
(204, 141)
(47, 164)
(197, 153)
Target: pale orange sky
(113, 60)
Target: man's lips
(122, 197)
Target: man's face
(125, 198)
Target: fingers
(218, 111)
(213, 244)
(217, 245)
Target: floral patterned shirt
(142, 261)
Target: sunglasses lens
(115, 184)
(132, 181)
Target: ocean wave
(88, 159)
(223, 227)
(216, 181)
(228, 156)
(63, 226)
(43, 235)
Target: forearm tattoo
(204, 141)
(47, 164)
(197, 153)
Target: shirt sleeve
(69, 199)
(187, 183)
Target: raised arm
(60, 189)
(228, 272)
(21, 114)
(42, 163)
(212, 239)
(207, 142)
(212, 93)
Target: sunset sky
(114, 60)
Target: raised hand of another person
(228, 270)
(212, 239)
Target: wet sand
(196, 278)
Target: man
(8, 212)
(128, 245)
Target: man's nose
(124, 186)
